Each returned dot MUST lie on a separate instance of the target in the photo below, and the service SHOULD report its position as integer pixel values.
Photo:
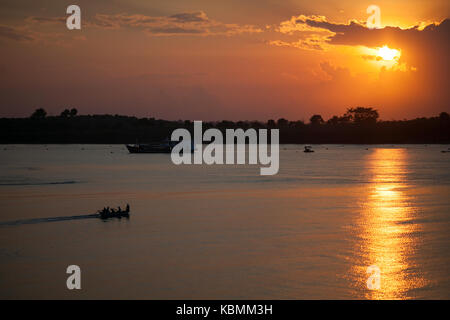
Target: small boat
(308, 149)
(107, 213)
(164, 146)
(148, 148)
(158, 147)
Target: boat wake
(35, 183)
(51, 219)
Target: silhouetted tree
(316, 119)
(333, 120)
(256, 125)
(361, 115)
(444, 116)
(39, 114)
(339, 120)
(282, 122)
(65, 113)
(73, 112)
(124, 129)
(226, 124)
(296, 124)
(242, 124)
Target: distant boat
(158, 147)
(164, 146)
(308, 149)
(148, 148)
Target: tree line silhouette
(358, 125)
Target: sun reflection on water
(386, 227)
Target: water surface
(225, 232)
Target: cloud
(371, 57)
(418, 80)
(190, 17)
(356, 33)
(185, 23)
(425, 48)
(419, 44)
(13, 33)
(311, 37)
(46, 20)
(425, 52)
(335, 72)
(27, 34)
(313, 42)
(416, 41)
(52, 30)
(188, 23)
(298, 24)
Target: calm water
(225, 232)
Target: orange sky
(213, 60)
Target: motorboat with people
(107, 212)
(308, 149)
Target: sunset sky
(234, 59)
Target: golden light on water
(387, 228)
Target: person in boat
(127, 209)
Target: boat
(308, 149)
(148, 148)
(164, 146)
(107, 213)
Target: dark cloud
(48, 20)
(417, 82)
(14, 34)
(177, 24)
(419, 46)
(190, 17)
(173, 30)
(184, 23)
(425, 50)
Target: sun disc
(387, 53)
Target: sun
(388, 54)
